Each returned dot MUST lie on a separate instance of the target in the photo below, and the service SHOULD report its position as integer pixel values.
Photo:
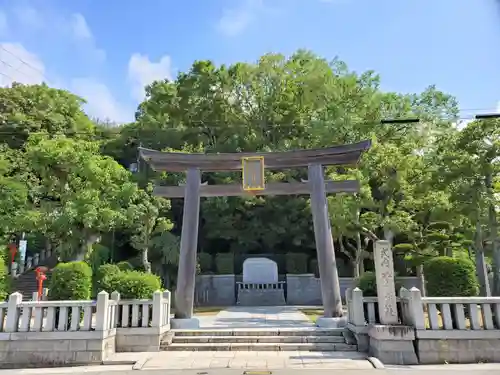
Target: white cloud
(235, 20)
(84, 37)
(80, 28)
(100, 101)
(19, 65)
(142, 72)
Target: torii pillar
(329, 278)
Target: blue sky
(107, 50)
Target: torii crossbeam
(316, 186)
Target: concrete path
(257, 317)
(257, 360)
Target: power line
(490, 112)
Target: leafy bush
(205, 262)
(104, 278)
(125, 266)
(4, 280)
(450, 277)
(367, 282)
(99, 256)
(224, 263)
(71, 281)
(296, 263)
(134, 284)
(313, 267)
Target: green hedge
(4, 280)
(205, 261)
(103, 279)
(130, 284)
(136, 284)
(313, 267)
(224, 263)
(125, 266)
(296, 263)
(368, 284)
(450, 277)
(71, 281)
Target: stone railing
(28, 263)
(260, 286)
(430, 329)
(3, 314)
(80, 332)
(361, 310)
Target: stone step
(303, 331)
(258, 339)
(325, 347)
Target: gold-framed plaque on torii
(253, 173)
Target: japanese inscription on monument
(384, 270)
(253, 173)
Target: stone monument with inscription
(260, 285)
(390, 341)
(386, 287)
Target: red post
(13, 252)
(40, 276)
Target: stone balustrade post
(43, 255)
(29, 262)
(12, 321)
(101, 321)
(13, 269)
(416, 309)
(358, 313)
(168, 296)
(36, 260)
(115, 296)
(21, 267)
(157, 319)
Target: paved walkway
(257, 360)
(257, 317)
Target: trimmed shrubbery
(205, 261)
(296, 263)
(71, 281)
(4, 279)
(130, 284)
(224, 263)
(450, 277)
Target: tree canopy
(427, 186)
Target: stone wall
(140, 339)
(215, 290)
(40, 349)
(457, 346)
(303, 290)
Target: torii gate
(253, 165)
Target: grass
(312, 314)
(205, 311)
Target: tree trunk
(421, 278)
(482, 271)
(389, 236)
(360, 267)
(145, 261)
(86, 247)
